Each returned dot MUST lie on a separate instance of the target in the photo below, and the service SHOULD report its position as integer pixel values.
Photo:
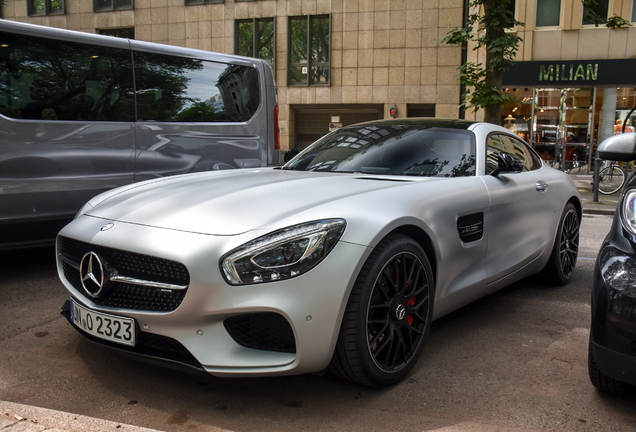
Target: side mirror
(618, 148)
(507, 163)
(290, 154)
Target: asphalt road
(516, 360)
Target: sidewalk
(25, 418)
(606, 203)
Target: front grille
(263, 331)
(134, 265)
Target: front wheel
(601, 381)
(611, 180)
(388, 315)
(562, 262)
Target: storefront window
(625, 102)
(517, 117)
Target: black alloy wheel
(388, 315)
(562, 262)
(569, 243)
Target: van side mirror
(620, 148)
(507, 163)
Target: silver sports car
(339, 260)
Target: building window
(511, 7)
(308, 48)
(595, 11)
(200, 2)
(256, 38)
(110, 5)
(45, 7)
(548, 13)
(126, 33)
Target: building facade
(573, 80)
(336, 62)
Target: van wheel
(388, 315)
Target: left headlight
(282, 254)
(629, 210)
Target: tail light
(276, 129)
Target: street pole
(597, 165)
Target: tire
(388, 316)
(611, 180)
(601, 381)
(562, 262)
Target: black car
(612, 350)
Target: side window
(308, 47)
(111, 5)
(548, 13)
(45, 7)
(502, 143)
(595, 12)
(43, 79)
(179, 89)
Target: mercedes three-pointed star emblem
(94, 274)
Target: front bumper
(311, 305)
(613, 328)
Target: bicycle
(611, 178)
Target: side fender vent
(471, 227)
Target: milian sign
(561, 72)
(590, 73)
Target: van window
(179, 89)
(48, 79)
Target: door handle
(541, 186)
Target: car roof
(422, 121)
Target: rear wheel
(601, 381)
(562, 262)
(388, 315)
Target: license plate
(112, 328)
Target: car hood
(234, 201)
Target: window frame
(255, 38)
(202, 2)
(309, 63)
(112, 7)
(591, 24)
(558, 25)
(109, 32)
(47, 8)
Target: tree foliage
(486, 26)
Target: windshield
(409, 150)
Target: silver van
(83, 113)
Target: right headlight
(282, 254)
(629, 210)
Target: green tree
(487, 28)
